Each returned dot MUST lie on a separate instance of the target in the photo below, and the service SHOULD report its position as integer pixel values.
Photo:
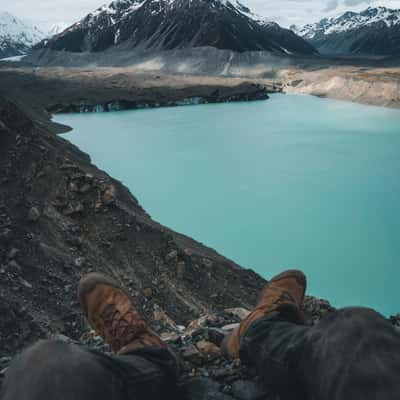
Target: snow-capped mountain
(172, 24)
(374, 31)
(56, 29)
(16, 36)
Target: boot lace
(122, 328)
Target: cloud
(351, 3)
(332, 5)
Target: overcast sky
(45, 13)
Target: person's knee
(359, 317)
(360, 312)
(342, 328)
(43, 354)
(47, 366)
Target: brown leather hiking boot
(283, 294)
(113, 315)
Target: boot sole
(297, 274)
(293, 273)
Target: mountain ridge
(374, 31)
(174, 24)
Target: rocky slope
(61, 217)
(372, 32)
(16, 36)
(171, 24)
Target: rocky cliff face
(372, 32)
(172, 24)
(61, 217)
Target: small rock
(148, 293)
(230, 327)
(216, 335)
(240, 312)
(62, 338)
(4, 361)
(208, 348)
(160, 315)
(33, 214)
(67, 288)
(74, 208)
(188, 252)
(171, 256)
(190, 353)
(109, 196)
(13, 253)
(14, 265)
(180, 269)
(26, 283)
(73, 187)
(6, 235)
(85, 188)
(79, 208)
(207, 263)
(79, 262)
(202, 321)
(170, 337)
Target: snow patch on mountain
(170, 24)
(351, 21)
(15, 32)
(118, 9)
(57, 28)
(242, 9)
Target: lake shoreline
(64, 90)
(370, 86)
(271, 144)
(81, 90)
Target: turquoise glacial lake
(291, 182)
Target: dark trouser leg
(60, 371)
(353, 354)
(270, 346)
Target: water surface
(292, 182)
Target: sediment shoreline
(377, 86)
(109, 89)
